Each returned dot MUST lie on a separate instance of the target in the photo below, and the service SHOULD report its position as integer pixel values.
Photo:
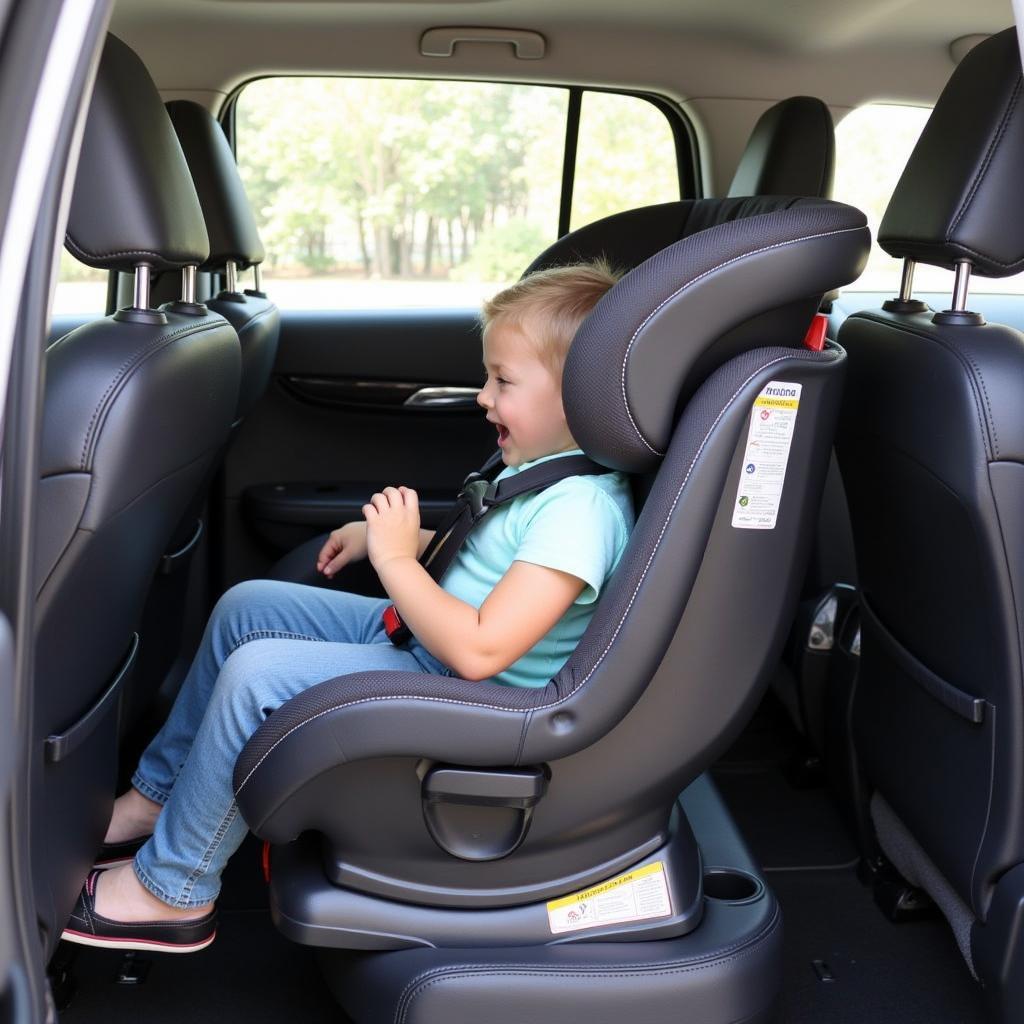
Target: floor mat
(881, 972)
(250, 974)
(785, 827)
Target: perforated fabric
(699, 418)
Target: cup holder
(729, 885)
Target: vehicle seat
(931, 446)
(234, 246)
(445, 813)
(136, 405)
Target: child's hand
(344, 545)
(392, 525)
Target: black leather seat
(790, 152)
(136, 406)
(931, 447)
(452, 814)
(234, 243)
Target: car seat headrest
(665, 326)
(134, 202)
(229, 218)
(959, 196)
(791, 152)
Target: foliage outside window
(80, 289)
(384, 193)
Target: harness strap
(478, 496)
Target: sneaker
(113, 854)
(87, 928)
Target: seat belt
(479, 494)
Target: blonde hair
(550, 305)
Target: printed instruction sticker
(634, 896)
(772, 423)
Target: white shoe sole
(81, 939)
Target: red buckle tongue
(395, 628)
(814, 339)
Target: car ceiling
(846, 51)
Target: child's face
(522, 397)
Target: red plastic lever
(814, 339)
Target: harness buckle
(397, 631)
(479, 496)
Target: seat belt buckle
(398, 632)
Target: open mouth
(502, 433)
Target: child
(510, 608)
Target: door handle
(446, 398)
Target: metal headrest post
(256, 291)
(959, 315)
(140, 311)
(906, 303)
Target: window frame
(683, 133)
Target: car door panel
(352, 406)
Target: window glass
(873, 144)
(625, 157)
(80, 289)
(387, 193)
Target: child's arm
(348, 544)
(524, 606)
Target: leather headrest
(664, 327)
(791, 152)
(134, 201)
(960, 193)
(229, 218)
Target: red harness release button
(814, 339)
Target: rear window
(873, 145)
(391, 193)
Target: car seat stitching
(435, 976)
(987, 160)
(80, 251)
(693, 281)
(125, 370)
(529, 712)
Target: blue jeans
(265, 642)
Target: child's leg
(200, 826)
(256, 609)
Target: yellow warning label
(634, 896)
(777, 403)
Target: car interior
(781, 777)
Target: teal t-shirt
(579, 525)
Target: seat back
(234, 243)
(136, 404)
(931, 446)
(663, 378)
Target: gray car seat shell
(939, 707)
(652, 693)
(135, 407)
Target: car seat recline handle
(481, 814)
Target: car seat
(136, 406)
(447, 816)
(930, 445)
